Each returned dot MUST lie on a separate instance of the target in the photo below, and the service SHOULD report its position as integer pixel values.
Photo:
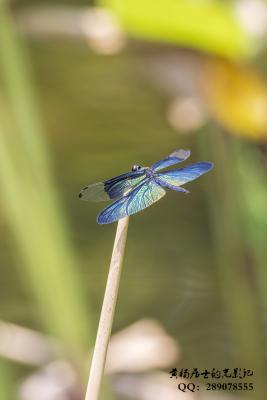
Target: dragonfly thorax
(149, 172)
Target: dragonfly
(142, 186)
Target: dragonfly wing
(142, 196)
(112, 188)
(95, 192)
(120, 185)
(174, 158)
(173, 179)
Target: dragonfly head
(136, 168)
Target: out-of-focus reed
(7, 381)
(253, 186)
(47, 260)
(232, 250)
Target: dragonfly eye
(136, 168)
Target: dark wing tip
(80, 195)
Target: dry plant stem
(107, 312)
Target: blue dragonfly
(142, 186)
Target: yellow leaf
(237, 98)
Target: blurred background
(86, 91)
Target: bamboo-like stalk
(107, 312)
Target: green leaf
(206, 25)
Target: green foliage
(232, 244)
(48, 263)
(208, 25)
(7, 382)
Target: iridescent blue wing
(174, 178)
(174, 158)
(112, 188)
(142, 196)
